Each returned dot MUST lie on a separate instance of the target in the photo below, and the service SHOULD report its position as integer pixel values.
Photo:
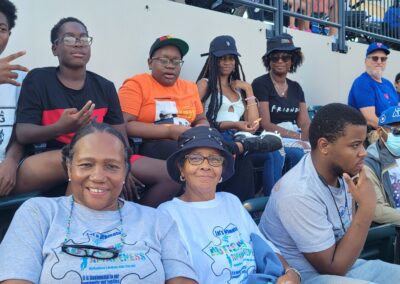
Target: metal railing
(357, 20)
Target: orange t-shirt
(143, 97)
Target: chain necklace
(118, 246)
(280, 90)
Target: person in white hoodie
(11, 76)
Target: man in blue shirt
(371, 93)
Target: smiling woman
(93, 233)
(222, 241)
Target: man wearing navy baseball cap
(382, 166)
(370, 92)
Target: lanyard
(346, 205)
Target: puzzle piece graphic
(136, 261)
(229, 253)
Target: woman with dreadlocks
(231, 106)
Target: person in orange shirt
(158, 107)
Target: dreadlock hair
(210, 71)
(297, 59)
(331, 120)
(56, 29)
(9, 10)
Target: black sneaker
(268, 142)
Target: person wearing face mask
(382, 166)
(371, 93)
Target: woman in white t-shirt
(218, 231)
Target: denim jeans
(272, 163)
(293, 156)
(362, 272)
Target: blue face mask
(393, 144)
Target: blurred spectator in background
(371, 93)
(397, 84)
(301, 6)
(328, 8)
(392, 19)
(382, 167)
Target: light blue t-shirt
(151, 252)
(366, 92)
(303, 215)
(217, 233)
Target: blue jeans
(293, 156)
(362, 272)
(273, 165)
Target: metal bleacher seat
(8, 206)
(381, 240)
(255, 207)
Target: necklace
(346, 205)
(280, 90)
(122, 234)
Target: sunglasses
(377, 58)
(284, 58)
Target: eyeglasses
(377, 58)
(71, 40)
(197, 159)
(395, 131)
(166, 61)
(284, 58)
(90, 251)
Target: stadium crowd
(172, 211)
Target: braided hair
(210, 71)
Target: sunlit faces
(97, 171)
(202, 179)
(72, 56)
(375, 68)
(226, 64)
(280, 62)
(347, 153)
(4, 32)
(166, 75)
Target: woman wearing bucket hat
(225, 244)
(231, 106)
(282, 104)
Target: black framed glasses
(71, 40)
(166, 61)
(90, 251)
(395, 131)
(284, 58)
(197, 159)
(377, 58)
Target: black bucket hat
(221, 46)
(169, 40)
(200, 137)
(283, 42)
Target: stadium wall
(123, 31)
